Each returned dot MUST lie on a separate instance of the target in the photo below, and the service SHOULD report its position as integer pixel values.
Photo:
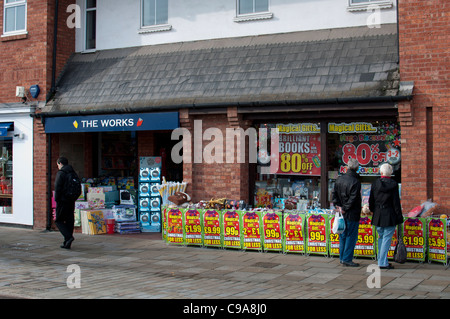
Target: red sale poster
(192, 227)
(272, 231)
(317, 231)
(333, 241)
(211, 229)
(414, 238)
(231, 224)
(294, 241)
(365, 246)
(298, 150)
(175, 226)
(251, 230)
(437, 239)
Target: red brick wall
(215, 180)
(424, 35)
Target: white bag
(339, 223)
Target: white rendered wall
(22, 165)
(118, 21)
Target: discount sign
(437, 239)
(231, 223)
(211, 228)
(294, 241)
(272, 231)
(192, 227)
(414, 238)
(317, 234)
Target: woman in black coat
(384, 202)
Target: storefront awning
(5, 127)
(112, 122)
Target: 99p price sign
(231, 224)
(272, 231)
(317, 232)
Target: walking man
(65, 206)
(347, 195)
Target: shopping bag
(339, 223)
(400, 252)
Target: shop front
(105, 150)
(16, 165)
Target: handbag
(339, 223)
(400, 254)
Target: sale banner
(251, 228)
(298, 150)
(365, 246)
(294, 239)
(317, 231)
(414, 233)
(211, 228)
(437, 239)
(333, 239)
(371, 144)
(175, 233)
(231, 229)
(164, 224)
(192, 227)
(272, 226)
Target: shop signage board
(212, 236)
(231, 229)
(112, 122)
(370, 143)
(365, 246)
(437, 239)
(299, 150)
(317, 233)
(294, 239)
(251, 231)
(333, 239)
(192, 227)
(414, 237)
(272, 223)
(175, 227)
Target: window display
(6, 175)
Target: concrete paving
(145, 267)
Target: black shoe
(389, 266)
(350, 264)
(67, 244)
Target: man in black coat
(347, 196)
(384, 202)
(65, 207)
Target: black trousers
(65, 218)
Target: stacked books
(128, 227)
(92, 222)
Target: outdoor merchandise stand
(298, 232)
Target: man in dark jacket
(347, 196)
(65, 207)
(384, 202)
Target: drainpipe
(55, 38)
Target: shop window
(91, 24)
(6, 175)
(118, 154)
(14, 17)
(372, 143)
(293, 172)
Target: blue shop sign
(112, 122)
(4, 128)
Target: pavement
(142, 266)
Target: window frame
(363, 6)
(15, 4)
(154, 27)
(86, 10)
(259, 15)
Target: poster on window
(298, 150)
(371, 144)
